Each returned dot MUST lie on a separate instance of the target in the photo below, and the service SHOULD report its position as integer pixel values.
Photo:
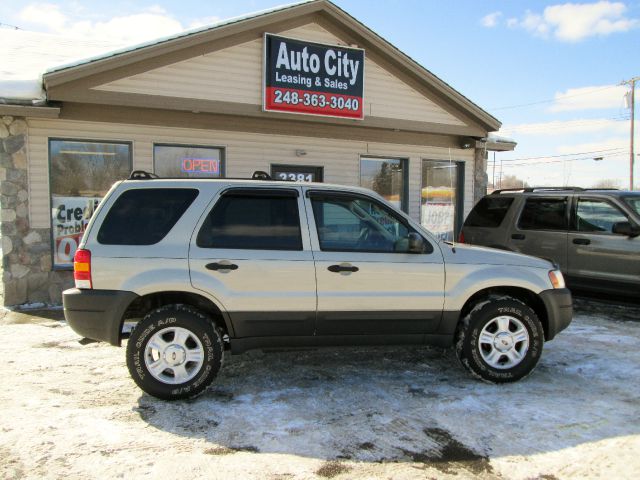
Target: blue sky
(548, 70)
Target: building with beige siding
(194, 105)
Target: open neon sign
(200, 166)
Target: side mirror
(625, 228)
(416, 243)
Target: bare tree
(607, 183)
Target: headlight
(557, 280)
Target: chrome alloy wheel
(503, 342)
(173, 355)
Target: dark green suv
(593, 235)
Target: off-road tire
(185, 317)
(467, 345)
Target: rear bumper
(96, 314)
(559, 305)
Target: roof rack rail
(538, 189)
(260, 175)
(142, 175)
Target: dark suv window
(544, 214)
(144, 216)
(489, 212)
(267, 220)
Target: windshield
(634, 203)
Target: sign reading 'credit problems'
(312, 78)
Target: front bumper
(559, 305)
(96, 314)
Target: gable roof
(366, 37)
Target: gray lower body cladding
(97, 314)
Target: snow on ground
(70, 410)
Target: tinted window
(544, 214)
(634, 203)
(387, 177)
(356, 224)
(489, 212)
(144, 216)
(255, 222)
(597, 216)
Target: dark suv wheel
(175, 352)
(500, 340)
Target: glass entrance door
(441, 197)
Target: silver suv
(592, 234)
(206, 266)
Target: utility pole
(632, 105)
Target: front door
(252, 253)
(596, 254)
(367, 281)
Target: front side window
(81, 173)
(540, 213)
(387, 177)
(352, 224)
(633, 202)
(144, 216)
(597, 216)
(188, 161)
(260, 221)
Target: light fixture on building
(301, 153)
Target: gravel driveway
(70, 410)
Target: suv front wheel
(500, 340)
(175, 352)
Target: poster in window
(70, 216)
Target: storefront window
(386, 176)
(81, 174)
(441, 199)
(175, 161)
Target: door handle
(221, 266)
(342, 268)
(518, 236)
(581, 241)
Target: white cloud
(573, 22)
(619, 143)
(491, 20)
(153, 22)
(203, 22)
(46, 15)
(589, 98)
(568, 127)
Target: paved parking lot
(70, 410)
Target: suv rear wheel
(500, 340)
(175, 352)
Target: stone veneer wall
(480, 178)
(26, 252)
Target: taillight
(461, 237)
(82, 268)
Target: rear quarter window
(489, 212)
(144, 216)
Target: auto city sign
(313, 78)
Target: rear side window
(260, 221)
(489, 212)
(544, 214)
(144, 216)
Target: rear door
(251, 251)
(367, 282)
(596, 254)
(541, 229)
